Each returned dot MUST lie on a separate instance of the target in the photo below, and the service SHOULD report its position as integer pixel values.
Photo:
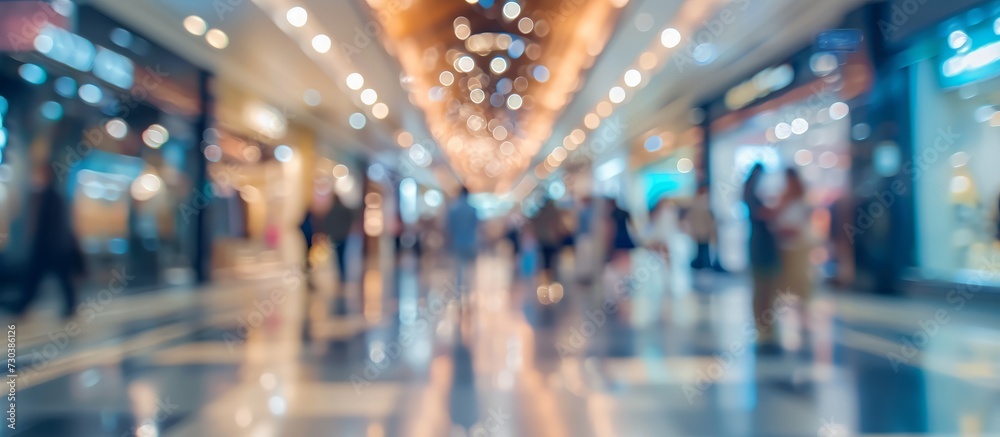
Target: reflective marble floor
(399, 356)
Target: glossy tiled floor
(399, 358)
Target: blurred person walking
(551, 232)
(700, 224)
(54, 247)
(619, 255)
(764, 258)
(339, 222)
(792, 222)
(463, 229)
(586, 248)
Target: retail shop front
(115, 119)
(950, 58)
(794, 114)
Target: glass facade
(116, 136)
(956, 127)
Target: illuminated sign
(65, 47)
(761, 85)
(114, 68)
(970, 55)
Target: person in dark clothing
(765, 264)
(339, 222)
(551, 233)
(54, 247)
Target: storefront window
(955, 137)
(811, 135)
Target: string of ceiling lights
(295, 21)
(648, 64)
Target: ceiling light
(633, 78)
(217, 38)
(800, 126)
(357, 120)
(514, 102)
(380, 110)
(312, 97)
(462, 31)
(446, 78)
(839, 110)
(685, 165)
(541, 73)
(617, 94)
(783, 130)
(525, 25)
(670, 37)
(155, 136)
(653, 143)
(195, 25)
(321, 43)
(404, 139)
(511, 10)
(604, 109)
(297, 16)
(465, 64)
(647, 61)
(355, 81)
(477, 95)
(116, 128)
(498, 64)
(369, 96)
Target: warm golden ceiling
(493, 76)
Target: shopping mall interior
(450, 218)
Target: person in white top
(793, 225)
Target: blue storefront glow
(970, 55)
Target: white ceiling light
(511, 10)
(369, 96)
(670, 37)
(380, 110)
(514, 102)
(465, 64)
(297, 16)
(312, 97)
(446, 78)
(617, 94)
(633, 78)
(498, 64)
(195, 25)
(217, 38)
(800, 126)
(321, 43)
(357, 120)
(355, 81)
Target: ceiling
(438, 118)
